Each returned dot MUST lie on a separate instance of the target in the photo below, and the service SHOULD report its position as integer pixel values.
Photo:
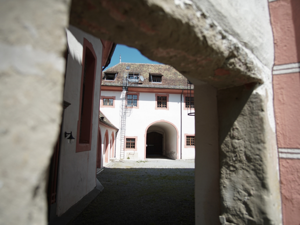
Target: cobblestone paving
(155, 191)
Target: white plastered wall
(77, 170)
(139, 119)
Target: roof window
(133, 76)
(155, 78)
(110, 76)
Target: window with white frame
(132, 100)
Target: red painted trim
(159, 121)
(88, 128)
(188, 146)
(162, 95)
(157, 90)
(131, 149)
(111, 88)
(107, 47)
(106, 146)
(138, 97)
(107, 97)
(145, 89)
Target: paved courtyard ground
(152, 191)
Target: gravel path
(155, 191)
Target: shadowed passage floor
(152, 191)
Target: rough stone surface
(249, 185)
(180, 33)
(245, 22)
(184, 37)
(32, 40)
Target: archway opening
(106, 143)
(112, 146)
(99, 148)
(161, 140)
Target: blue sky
(130, 55)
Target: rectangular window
(130, 143)
(189, 102)
(110, 76)
(162, 101)
(156, 78)
(108, 101)
(132, 100)
(190, 140)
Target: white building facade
(72, 172)
(150, 105)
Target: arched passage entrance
(161, 139)
(99, 147)
(112, 145)
(106, 142)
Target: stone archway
(231, 72)
(106, 146)
(202, 40)
(99, 149)
(167, 146)
(112, 146)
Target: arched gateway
(161, 139)
(224, 48)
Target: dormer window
(133, 76)
(110, 76)
(155, 78)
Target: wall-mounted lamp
(69, 136)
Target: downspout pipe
(115, 153)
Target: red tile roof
(171, 78)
